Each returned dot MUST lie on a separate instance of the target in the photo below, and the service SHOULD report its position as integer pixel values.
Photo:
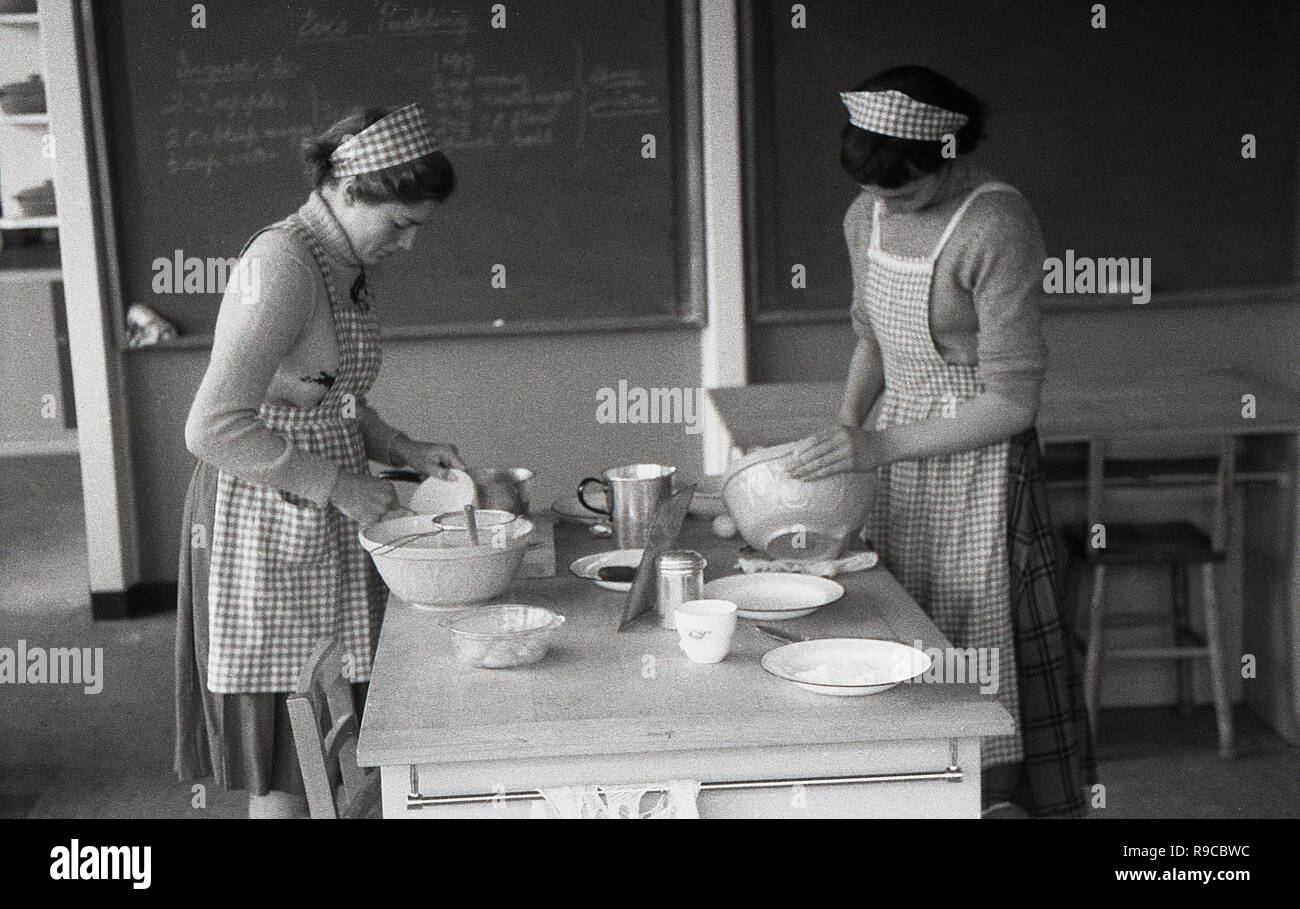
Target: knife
(785, 637)
(409, 476)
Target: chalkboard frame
(684, 80)
(758, 161)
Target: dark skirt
(1059, 764)
(245, 741)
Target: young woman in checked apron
(947, 270)
(270, 562)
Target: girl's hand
(432, 458)
(843, 449)
(363, 498)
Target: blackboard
(1126, 140)
(543, 120)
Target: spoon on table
(785, 637)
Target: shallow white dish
(774, 596)
(435, 496)
(589, 566)
(846, 667)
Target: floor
(65, 753)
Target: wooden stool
(1184, 549)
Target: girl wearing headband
(940, 401)
(282, 431)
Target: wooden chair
(1185, 550)
(325, 733)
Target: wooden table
(1155, 409)
(609, 708)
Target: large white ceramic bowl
(442, 568)
(793, 519)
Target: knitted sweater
(987, 281)
(278, 347)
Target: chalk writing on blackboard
(543, 121)
(227, 116)
(391, 20)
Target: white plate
(589, 566)
(774, 596)
(435, 496)
(846, 667)
(570, 509)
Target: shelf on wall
(41, 223)
(26, 119)
(61, 443)
(20, 18)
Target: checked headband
(892, 113)
(400, 137)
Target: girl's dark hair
(429, 177)
(877, 160)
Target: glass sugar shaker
(680, 576)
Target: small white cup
(705, 628)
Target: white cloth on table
(676, 799)
(825, 568)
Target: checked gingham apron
(940, 524)
(285, 572)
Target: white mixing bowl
(442, 568)
(793, 519)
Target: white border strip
(723, 357)
(106, 476)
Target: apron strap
(992, 186)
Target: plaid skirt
(1059, 763)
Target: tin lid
(681, 560)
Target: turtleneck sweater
(278, 347)
(984, 302)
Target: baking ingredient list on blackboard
(251, 109)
